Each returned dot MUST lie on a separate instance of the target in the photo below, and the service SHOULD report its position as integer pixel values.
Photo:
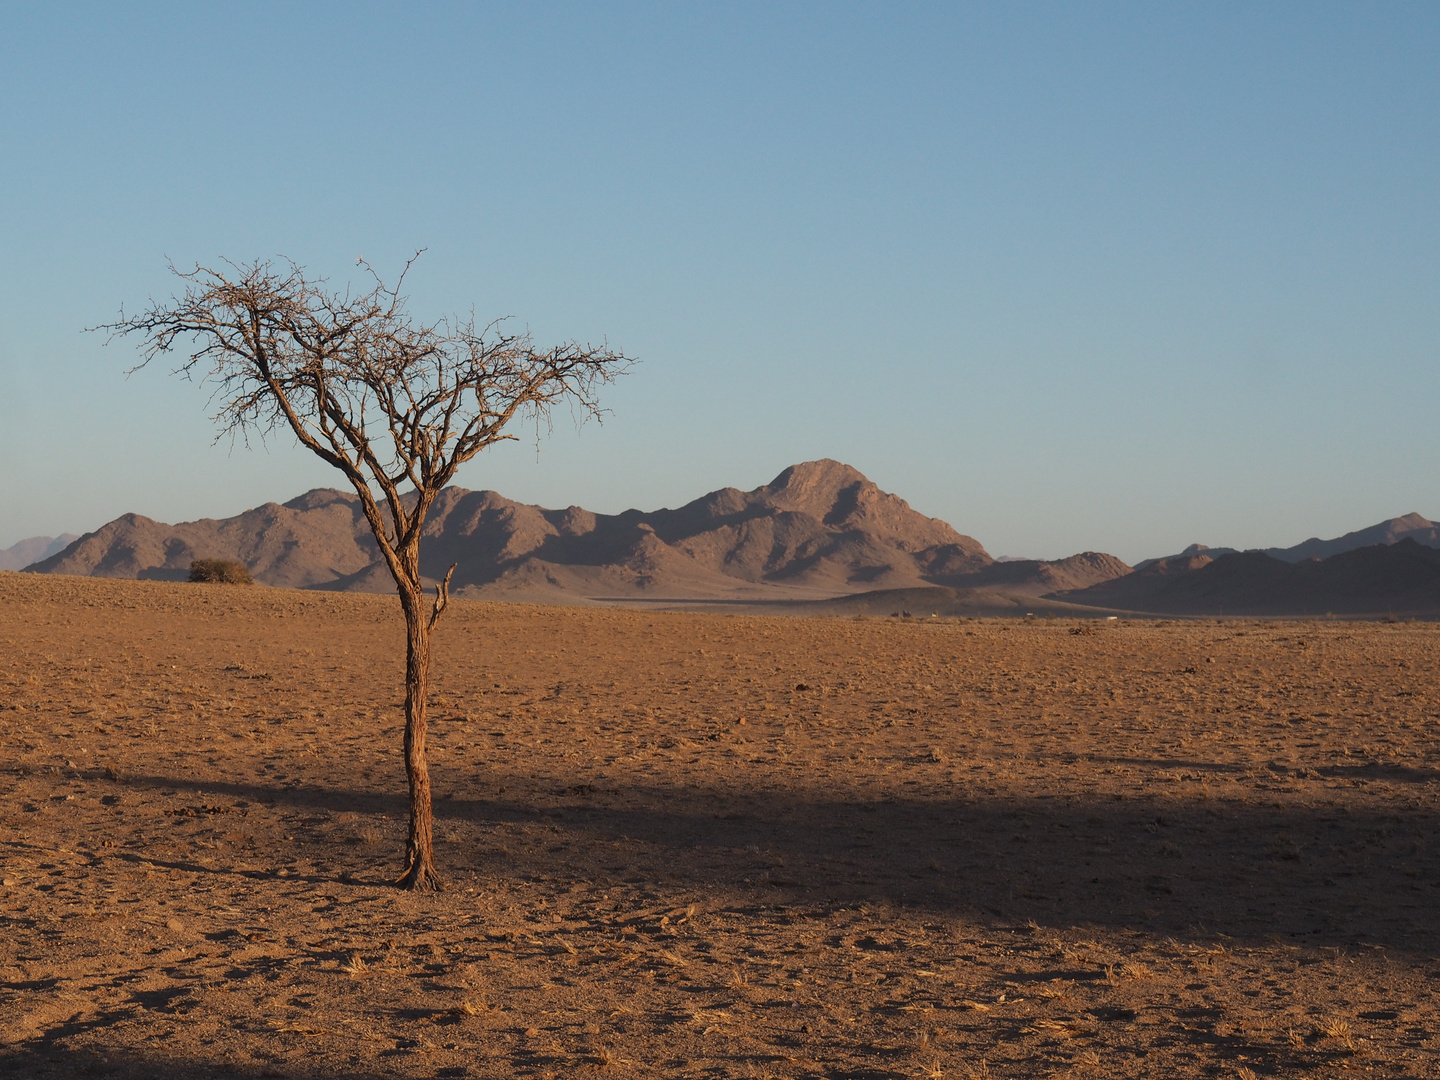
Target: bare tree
(391, 402)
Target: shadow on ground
(43, 1060)
(1179, 862)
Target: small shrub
(220, 572)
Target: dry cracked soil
(711, 845)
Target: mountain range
(1410, 526)
(1383, 579)
(819, 529)
(819, 532)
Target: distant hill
(1402, 578)
(1412, 526)
(18, 556)
(1016, 587)
(1194, 551)
(977, 602)
(818, 529)
(312, 540)
(1035, 577)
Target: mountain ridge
(819, 529)
(1402, 578)
(33, 549)
(1390, 531)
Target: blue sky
(1114, 277)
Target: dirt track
(708, 845)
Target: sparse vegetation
(220, 572)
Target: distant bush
(221, 572)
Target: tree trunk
(420, 875)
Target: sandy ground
(711, 845)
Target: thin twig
(442, 597)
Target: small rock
(174, 924)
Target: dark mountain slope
(1412, 526)
(1384, 579)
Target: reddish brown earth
(690, 845)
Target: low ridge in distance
(33, 549)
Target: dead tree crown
(395, 404)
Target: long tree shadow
(1367, 770)
(1168, 863)
(50, 1059)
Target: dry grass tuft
(355, 967)
(606, 1058)
(1338, 1030)
(1120, 971)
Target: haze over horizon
(1117, 280)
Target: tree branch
(442, 597)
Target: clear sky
(1069, 276)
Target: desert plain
(715, 844)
